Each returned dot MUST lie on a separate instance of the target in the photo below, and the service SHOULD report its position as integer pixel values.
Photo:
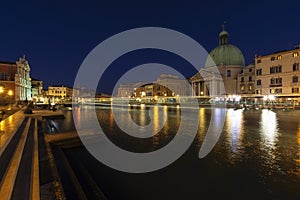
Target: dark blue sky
(57, 35)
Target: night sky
(56, 35)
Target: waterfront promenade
(19, 155)
(32, 162)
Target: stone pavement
(8, 127)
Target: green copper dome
(225, 53)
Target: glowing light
(237, 98)
(10, 93)
(1, 89)
(201, 92)
(271, 97)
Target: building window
(295, 90)
(250, 88)
(276, 91)
(258, 82)
(250, 78)
(242, 79)
(295, 54)
(259, 72)
(242, 88)
(3, 76)
(296, 67)
(258, 61)
(250, 70)
(258, 91)
(276, 82)
(275, 69)
(228, 73)
(295, 79)
(279, 57)
(272, 58)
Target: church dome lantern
(225, 53)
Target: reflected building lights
(298, 153)
(155, 119)
(235, 128)
(269, 138)
(269, 128)
(201, 119)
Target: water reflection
(298, 153)
(269, 154)
(268, 129)
(235, 129)
(258, 148)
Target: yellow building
(278, 74)
(60, 91)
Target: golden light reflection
(2, 135)
(10, 119)
(202, 119)
(155, 119)
(202, 127)
(269, 128)
(298, 153)
(235, 128)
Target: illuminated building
(278, 74)
(246, 81)
(175, 84)
(229, 62)
(60, 92)
(152, 90)
(127, 89)
(15, 81)
(36, 88)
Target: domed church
(224, 63)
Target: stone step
(19, 164)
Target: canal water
(256, 157)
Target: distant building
(177, 85)
(152, 90)
(127, 89)
(36, 88)
(60, 92)
(15, 81)
(278, 74)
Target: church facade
(219, 75)
(15, 81)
